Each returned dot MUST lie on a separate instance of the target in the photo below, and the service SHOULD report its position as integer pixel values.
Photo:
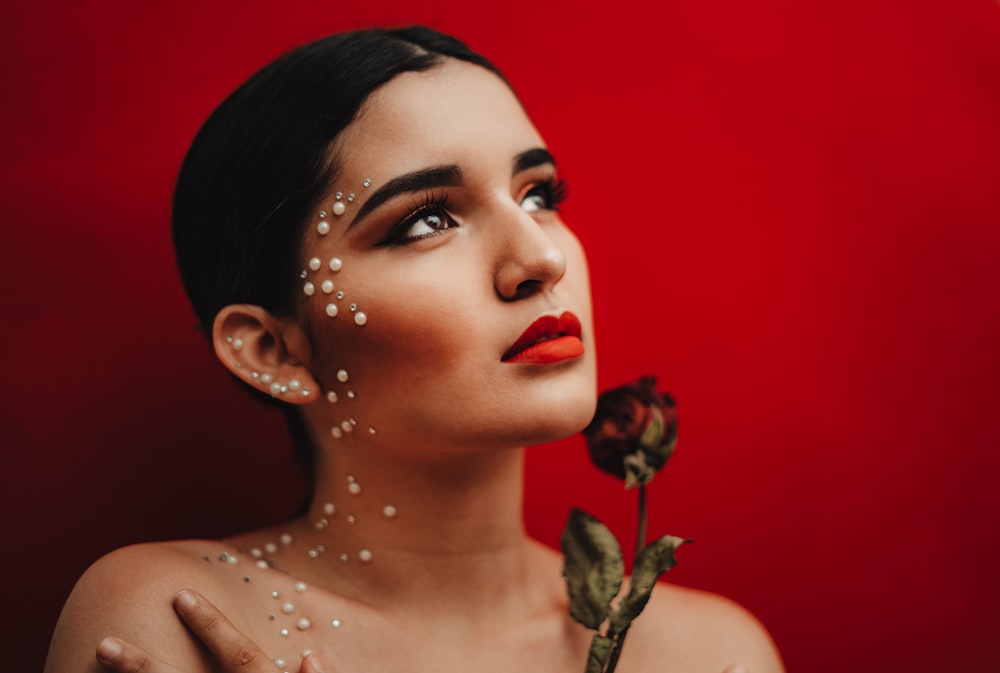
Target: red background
(793, 217)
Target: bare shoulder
(129, 594)
(699, 631)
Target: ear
(268, 353)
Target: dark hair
(261, 162)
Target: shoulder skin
(129, 594)
(698, 632)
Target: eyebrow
(441, 176)
(538, 156)
(417, 181)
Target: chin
(563, 415)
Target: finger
(312, 664)
(234, 651)
(120, 656)
(736, 668)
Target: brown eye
(425, 224)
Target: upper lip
(546, 327)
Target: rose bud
(633, 431)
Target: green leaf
(656, 559)
(653, 435)
(597, 657)
(593, 568)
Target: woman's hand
(233, 650)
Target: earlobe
(269, 354)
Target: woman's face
(451, 248)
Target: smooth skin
(454, 584)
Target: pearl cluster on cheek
(265, 379)
(326, 286)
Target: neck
(378, 521)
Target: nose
(529, 260)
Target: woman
(368, 231)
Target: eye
(428, 217)
(427, 223)
(545, 195)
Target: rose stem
(640, 543)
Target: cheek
(413, 322)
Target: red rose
(633, 432)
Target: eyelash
(552, 191)
(429, 203)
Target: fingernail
(314, 662)
(109, 650)
(185, 599)
(737, 668)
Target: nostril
(526, 288)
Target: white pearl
(365, 556)
(354, 488)
(232, 560)
(237, 344)
(336, 432)
(331, 310)
(256, 553)
(332, 396)
(351, 520)
(335, 623)
(284, 633)
(288, 608)
(323, 227)
(350, 394)
(266, 378)
(275, 594)
(342, 376)
(314, 263)
(389, 511)
(294, 384)
(275, 388)
(300, 586)
(327, 286)
(346, 425)
(309, 289)
(279, 662)
(270, 547)
(371, 430)
(262, 565)
(360, 318)
(329, 509)
(336, 263)
(339, 208)
(343, 559)
(285, 539)
(304, 624)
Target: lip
(549, 339)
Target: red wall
(793, 214)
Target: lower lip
(549, 351)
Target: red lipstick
(549, 339)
